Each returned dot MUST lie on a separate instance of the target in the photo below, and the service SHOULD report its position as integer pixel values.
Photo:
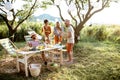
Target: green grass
(92, 61)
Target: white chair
(10, 48)
(38, 36)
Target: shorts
(69, 47)
(58, 39)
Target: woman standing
(46, 30)
(58, 33)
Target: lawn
(92, 61)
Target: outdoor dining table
(27, 54)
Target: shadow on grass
(6, 76)
(93, 61)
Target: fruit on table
(54, 64)
(41, 47)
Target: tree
(23, 14)
(84, 9)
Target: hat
(32, 34)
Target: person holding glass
(34, 43)
(70, 40)
(58, 33)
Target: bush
(101, 33)
(93, 33)
(118, 40)
(22, 31)
(37, 27)
(19, 35)
(3, 31)
(114, 33)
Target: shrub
(117, 40)
(3, 31)
(101, 33)
(96, 32)
(22, 30)
(114, 33)
(37, 27)
(19, 35)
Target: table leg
(52, 56)
(18, 65)
(26, 65)
(61, 57)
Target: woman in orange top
(58, 33)
(46, 30)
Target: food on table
(41, 47)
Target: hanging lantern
(9, 16)
(8, 6)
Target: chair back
(28, 38)
(38, 36)
(8, 45)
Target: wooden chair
(10, 48)
(27, 38)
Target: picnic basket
(35, 69)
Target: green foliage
(3, 31)
(101, 33)
(118, 40)
(19, 35)
(22, 31)
(37, 27)
(93, 33)
(92, 61)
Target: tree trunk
(77, 36)
(77, 32)
(76, 39)
(11, 34)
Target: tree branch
(12, 1)
(103, 6)
(13, 17)
(89, 9)
(67, 3)
(18, 12)
(60, 12)
(3, 11)
(73, 17)
(78, 10)
(82, 3)
(6, 21)
(3, 1)
(29, 13)
(88, 15)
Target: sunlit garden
(95, 45)
(96, 57)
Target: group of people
(58, 35)
(58, 30)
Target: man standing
(70, 40)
